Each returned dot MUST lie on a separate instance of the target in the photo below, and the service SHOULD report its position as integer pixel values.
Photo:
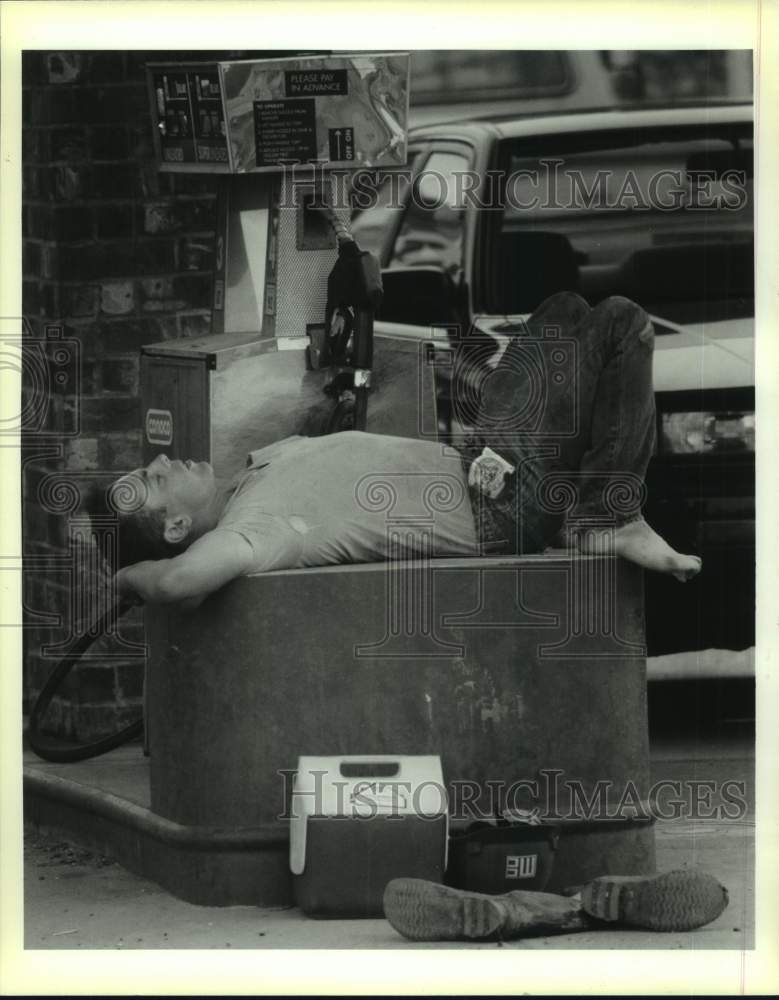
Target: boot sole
(427, 911)
(673, 901)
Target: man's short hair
(141, 536)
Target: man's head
(163, 508)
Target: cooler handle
(369, 769)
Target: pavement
(77, 899)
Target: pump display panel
(188, 117)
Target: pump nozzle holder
(339, 227)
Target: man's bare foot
(638, 543)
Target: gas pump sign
(259, 115)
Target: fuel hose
(59, 751)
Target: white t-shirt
(350, 497)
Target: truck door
(422, 240)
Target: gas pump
(292, 349)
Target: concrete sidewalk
(77, 899)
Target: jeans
(571, 406)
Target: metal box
(219, 397)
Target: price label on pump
(159, 426)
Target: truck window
(447, 76)
(431, 232)
(378, 200)
(668, 223)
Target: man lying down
(327, 500)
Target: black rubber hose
(52, 749)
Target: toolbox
(502, 854)
(358, 822)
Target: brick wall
(115, 255)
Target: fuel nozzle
(355, 280)
(354, 292)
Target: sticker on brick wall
(159, 426)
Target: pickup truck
(493, 215)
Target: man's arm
(208, 564)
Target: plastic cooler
(357, 822)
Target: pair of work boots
(674, 901)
